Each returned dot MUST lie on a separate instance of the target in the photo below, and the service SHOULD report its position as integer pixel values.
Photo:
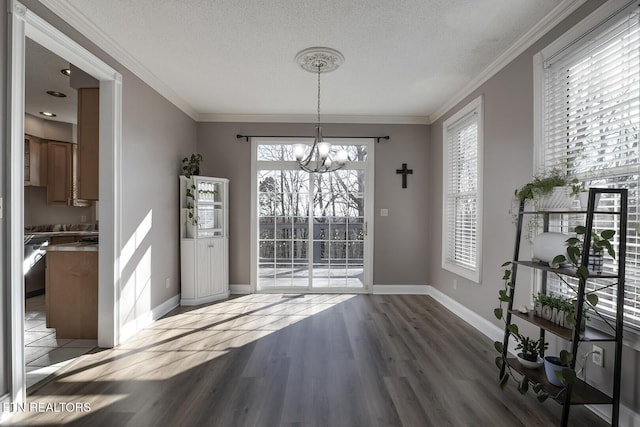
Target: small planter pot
(528, 363)
(552, 365)
(595, 262)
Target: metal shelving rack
(578, 393)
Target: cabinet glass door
(209, 207)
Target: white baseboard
(240, 289)
(471, 317)
(144, 320)
(400, 289)
(627, 416)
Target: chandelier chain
(319, 67)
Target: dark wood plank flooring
(314, 360)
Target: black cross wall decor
(404, 171)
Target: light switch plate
(1, 208)
(384, 212)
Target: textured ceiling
(404, 58)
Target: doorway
(312, 230)
(25, 24)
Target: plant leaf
(565, 358)
(574, 254)
(507, 275)
(498, 345)
(568, 376)
(513, 328)
(498, 313)
(537, 387)
(523, 387)
(542, 396)
(499, 362)
(506, 263)
(503, 296)
(504, 380)
(580, 229)
(593, 299)
(573, 241)
(583, 272)
(608, 234)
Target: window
(590, 124)
(462, 190)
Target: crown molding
(311, 118)
(553, 18)
(82, 24)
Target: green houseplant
(567, 374)
(191, 167)
(544, 184)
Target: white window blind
(591, 125)
(461, 204)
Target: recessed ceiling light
(66, 71)
(56, 94)
(47, 113)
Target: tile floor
(44, 354)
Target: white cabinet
(204, 240)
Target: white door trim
(24, 23)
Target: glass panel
(337, 215)
(276, 152)
(356, 153)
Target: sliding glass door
(312, 229)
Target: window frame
(573, 39)
(476, 106)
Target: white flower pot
(558, 199)
(546, 246)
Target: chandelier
(319, 159)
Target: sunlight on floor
(191, 337)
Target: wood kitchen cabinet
(59, 164)
(88, 142)
(62, 168)
(35, 161)
(71, 295)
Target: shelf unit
(204, 239)
(578, 393)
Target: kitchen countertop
(72, 247)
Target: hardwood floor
(313, 360)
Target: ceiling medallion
(322, 157)
(324, 58)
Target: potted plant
(599, 242)
(558, 369)
(551, 190)
(191, 165)
(531, 351)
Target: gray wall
(155, 137)
(508, 164)
(398, 257)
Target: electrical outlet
(384, 212)
(167, 282)
(598, 356)
(83, 218)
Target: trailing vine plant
(567, 375)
